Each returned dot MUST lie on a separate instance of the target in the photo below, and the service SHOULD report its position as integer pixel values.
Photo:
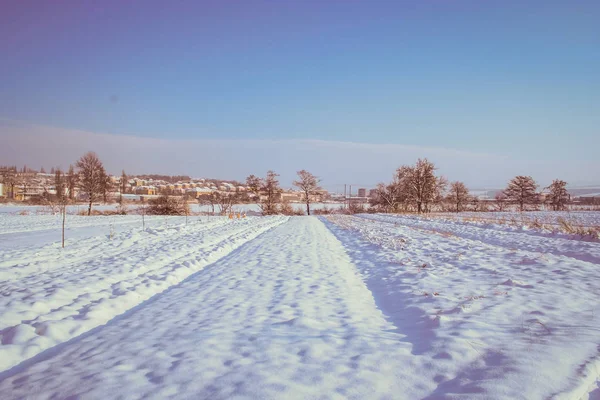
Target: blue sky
(516, 79)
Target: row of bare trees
(90, 178)
(221, 202)
(94, 184)
(268, 192)
(417, 188)
(522, 191)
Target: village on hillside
(35, 187)
(27, 185)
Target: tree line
(266, 193)
(88, 176)
(417, 188)
(414, 188)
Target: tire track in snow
(56, 311)
(93, 247)
(562, 247)
(108, 268)
(31, 223)
(284, 316)
(504, 318)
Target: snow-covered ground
(52, 294)
(131, 207)
(370, 306)
(512, 314)
(579, 218)
(202, 208)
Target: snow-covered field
(131, 207)
(369, 306)
(579, 218)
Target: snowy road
(376, 307)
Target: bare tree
(272, 193)
(167, 205)
(500, 201)
(59, 183)
(387, 198)
(558, 196)
(439, 192)
(106, 185)
(477, 204)
(420, 184)
(123, 185)
(91, 177)
(10, 179)
(224, 201)
(254, 184)
(286, 208)
(380, 200)
(71, 182)
(459, 195)
(308, 185)
(415, 187)
(521, 190)
(267, 191)
(209, 200)
(61, 199)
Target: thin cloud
(335, 162)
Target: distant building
(198, 192)
(291, 196)
(362, 192)
(372, 192)
(146, 190)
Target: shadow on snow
(394, 298)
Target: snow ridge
(49, 301)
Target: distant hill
(575, 191)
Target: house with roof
(198, 192)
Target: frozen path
(286, 315)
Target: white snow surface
(131, 208)
(371, 306)
(577, 218)
(50, 294)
